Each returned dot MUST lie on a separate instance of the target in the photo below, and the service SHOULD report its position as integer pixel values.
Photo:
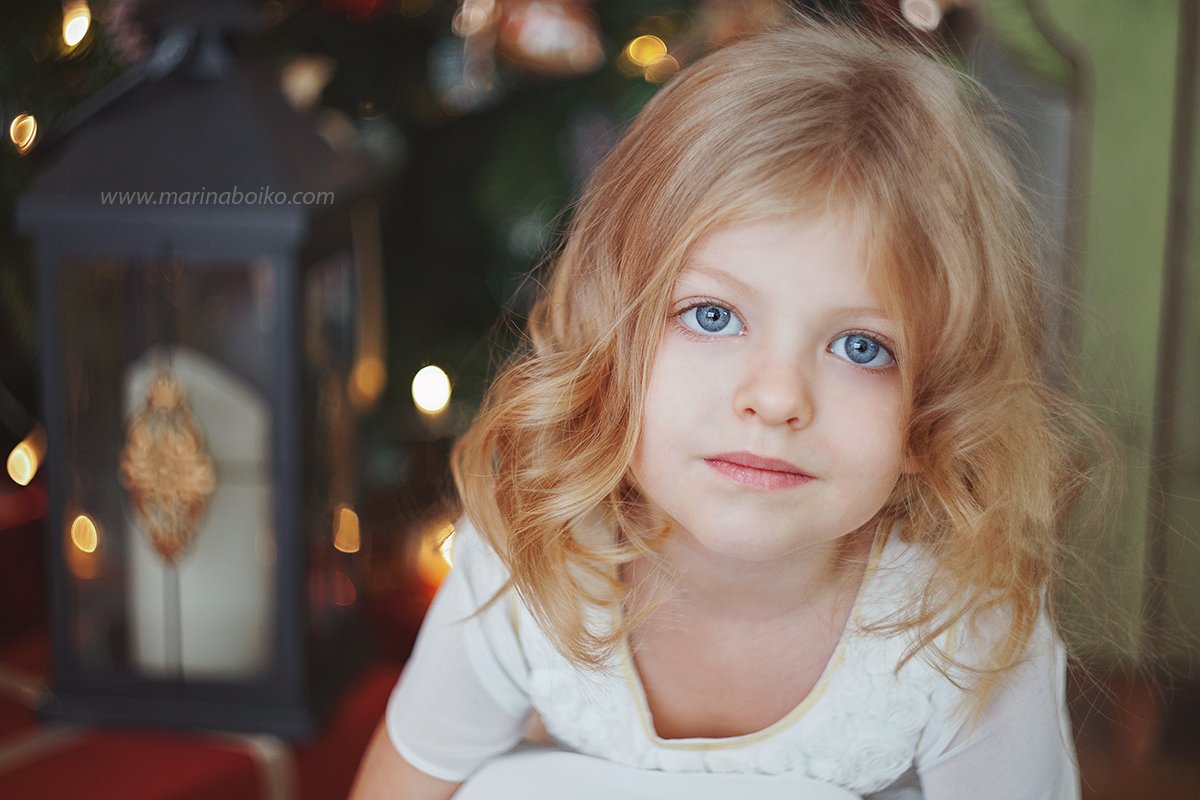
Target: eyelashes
(707, 319)
(863, 350)
(711, 319)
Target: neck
(819, 579)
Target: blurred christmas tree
(488, 113)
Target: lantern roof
(193, 136)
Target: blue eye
(711, 319)
(862, 350)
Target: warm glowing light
(446, 548)
(473, 17)
(22, 464)
(431, 389)
(82, 565)
(26, 457)
(924, 15)
(367, 381)
(84, 534)
(23, 130)
(345, 530)
(662, 70)
(77, 18)
(303, 78)
(645, 50)
(434, 556)
(344, 593)
(80, 544)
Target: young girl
(767, 505)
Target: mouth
(748, 469)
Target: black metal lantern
(197, 301)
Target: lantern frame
(71, 225)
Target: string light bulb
(926, 15)
(77, 19)
(647, 56)
(23, 131)
(431, 389)
(645, 50)
(82, 542)
(26, 457)
(346, 536)
(85, 534)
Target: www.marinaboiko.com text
(264, 196)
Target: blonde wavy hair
(811, 118)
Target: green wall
(1126, 113)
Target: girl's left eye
(862, 350)
(711, 319)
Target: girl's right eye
(711, 319)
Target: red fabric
(24, 654)
(15, 718)
(327, 765)
(22, 558)
(112, 764)
(121, 765)
(27, 652)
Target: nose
(775, 392)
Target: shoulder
(475, 560)
(904, 574)
(897, 574)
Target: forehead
(751, 255)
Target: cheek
(680, 384)
(870, 416)
(675, 401)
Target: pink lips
(763, 473)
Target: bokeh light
(435, 553)
(645, 50)
(77, 19)
(346, 536)
(85, 534)
(367, 381)
(431, 389)
(23, 131)
(925, 15)
(473, 17)
(662, 70)
(22, 464)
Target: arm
(1021, 746)
(461, 698)
(385, 775)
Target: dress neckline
(633, 680)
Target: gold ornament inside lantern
(165, 468)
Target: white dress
(864, 730)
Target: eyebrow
(862, 311)
(742, 286)
(719, 275)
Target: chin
(752, 543)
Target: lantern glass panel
(167, 535)
(331, 515)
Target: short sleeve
(1022, 744)
(462, 697)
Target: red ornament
(552, 37)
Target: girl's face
(774, 409)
